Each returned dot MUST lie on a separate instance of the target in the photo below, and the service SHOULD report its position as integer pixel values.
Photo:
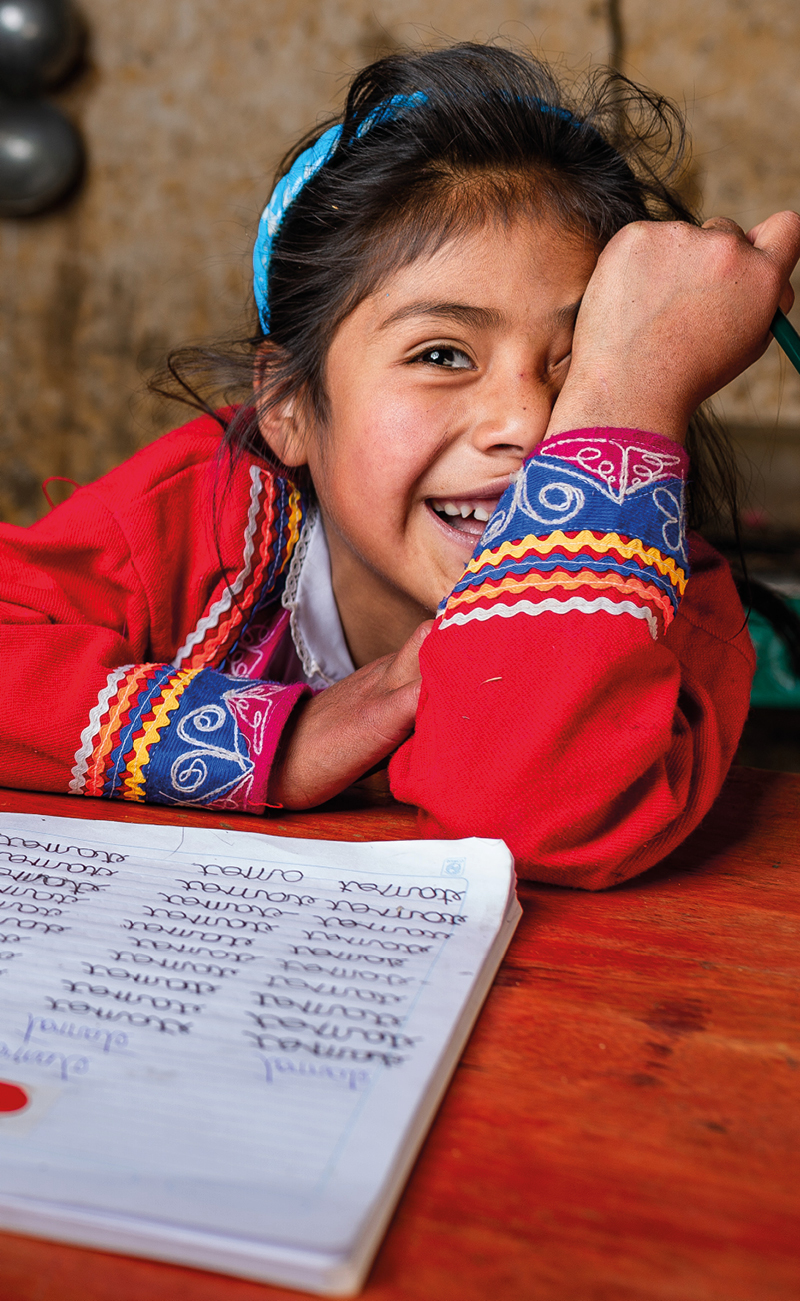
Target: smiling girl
(485, 328)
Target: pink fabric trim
(656, 444)
(258, 643)
(262, 713)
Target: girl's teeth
(464, 511)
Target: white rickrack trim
(224, 603)
(310, 666)
(92, 728)
(552, 606)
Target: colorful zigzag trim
(273, 526)
(624, 552)
(139, 703)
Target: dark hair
(488, 131)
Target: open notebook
(224, 1049)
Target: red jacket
(582, 696)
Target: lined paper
(229, 1032)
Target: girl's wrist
(607, 401)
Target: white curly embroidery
(672, 532)
(622, 474)
(206, 760)
(631, 471)
(563, 501)
(190, 770)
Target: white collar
(313, 616)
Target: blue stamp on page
(453, 866)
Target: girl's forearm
(671, 314)
(568, 703)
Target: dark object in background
(771, 737)
(39, 43)
(780, 613)
(41, 155)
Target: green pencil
(788, 338)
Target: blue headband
(290, 185)
(308, 164)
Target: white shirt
(314, 649)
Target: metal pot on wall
(41, 154)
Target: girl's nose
(513, 417)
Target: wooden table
(624, 1123)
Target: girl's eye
(447, 358)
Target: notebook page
(226, 1031)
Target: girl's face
(440, 385)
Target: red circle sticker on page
(12, 1097)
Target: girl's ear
(280, 424)
(281, 431)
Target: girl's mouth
(467, 516)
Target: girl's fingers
(404, 665)
(383, 722)
(779, 239)
(347, 729)
(672, 313)
(724, 223)
(752, 235)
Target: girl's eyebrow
(478, 317)
(567, 315)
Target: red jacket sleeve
(117, 611)
(582, 695)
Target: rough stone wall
(734, 63)
(187, 107)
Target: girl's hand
(671, 314)
(338, 735)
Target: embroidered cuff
(593, 521)
(186, 736)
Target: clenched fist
(671, 314)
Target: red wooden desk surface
(624, 1123)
